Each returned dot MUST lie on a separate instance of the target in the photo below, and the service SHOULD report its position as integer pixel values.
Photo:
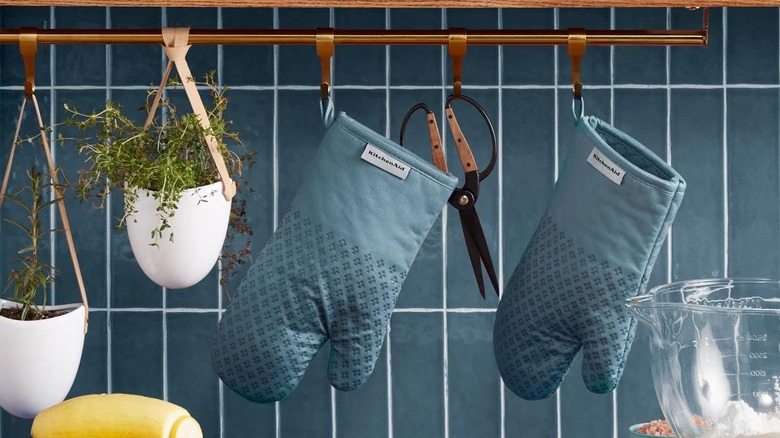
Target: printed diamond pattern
(307, 286)
(560, 299)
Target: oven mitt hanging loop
(333, 268)
(595, 246)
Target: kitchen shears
(464, 199)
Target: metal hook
(28, 47)
(705, 27)
(456, 44)
(577, 43)
(325, 49)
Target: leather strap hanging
(28, 46)
(175, 45)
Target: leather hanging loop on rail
(456, 44)
(60, 193)
(28, 46)
(577, 43)
(325, 50)
(175, 45)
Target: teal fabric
(333, 268)
(594, 247)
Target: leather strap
(175, 44)
(59, 193)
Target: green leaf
(18, 224)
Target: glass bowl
(715, 351)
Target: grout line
(445, 338)
(164, 347)
(500, 170)
(1, 258)
(219, 311)
(333, 409)
(501, 389)
(556, 145)
(275, 134)
(109, 272)
(154, 309)
(275, 181)
(725, 149)
(52, 196)
(220, 51)
(612, 26)
(669, 265)
(626, 86)
(164, 20)
(446, 310)
(220, 386)
(388, 25)
(556, 106)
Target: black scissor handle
(419, 106)
(448, 104)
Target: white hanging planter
(199, 226)
(40, 359)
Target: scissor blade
(476, 263)
(470, 220)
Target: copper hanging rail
(368, 37)
(372, 37)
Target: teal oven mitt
(595, 246)
(333, 268)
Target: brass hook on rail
(325, 50)
(28, 47)
(705, 27)
(456, 44)
(577, 43)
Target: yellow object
(115, 416)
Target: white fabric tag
(606, 166)
(382, 160)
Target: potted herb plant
(41, 344)
(175, 213)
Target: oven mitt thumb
(333, 268)
(609, 213)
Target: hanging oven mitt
(595, 246)
(333, 268)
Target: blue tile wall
(712, 112)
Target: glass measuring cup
(716, 355)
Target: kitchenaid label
(389, 164)
(606, 166)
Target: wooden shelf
(396, 3)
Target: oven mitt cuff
(333, 268)
(607, 218)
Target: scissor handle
(419, 106)
(448, 105)
(433, 132)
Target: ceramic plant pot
(199, 226)
(39, 359)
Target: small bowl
(634, 434)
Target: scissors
(464, 199)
